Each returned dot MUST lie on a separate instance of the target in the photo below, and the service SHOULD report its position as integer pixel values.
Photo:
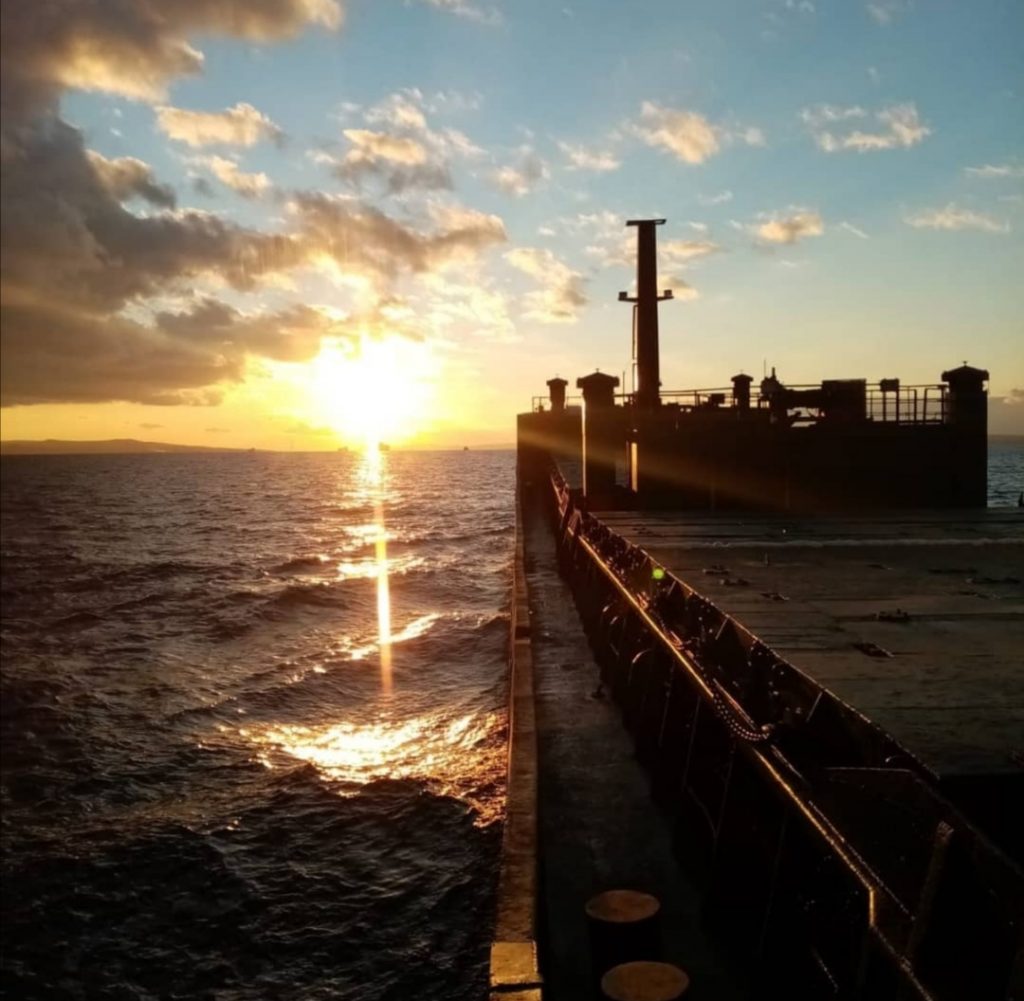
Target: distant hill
(113, 446)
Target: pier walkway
(598, 827)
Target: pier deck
(916, 620)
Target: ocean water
(217, 781)
(1005, 471)
(253, 723)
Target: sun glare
(377, 390)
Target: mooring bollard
(624, 926)
(644, 981)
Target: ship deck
(914, 619)
(598, 827)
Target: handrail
(923, 403)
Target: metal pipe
(646, 351)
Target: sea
(253, 723)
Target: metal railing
(892, 404)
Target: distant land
(132, 446)
(112, 446)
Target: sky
(300, 224)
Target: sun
(376, 389)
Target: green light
(658, 574)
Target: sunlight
(460, 754)
(374, 470)
(375, 390)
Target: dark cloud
(80, 269)
(291, 334)
(75, 257)
(67, 235)
(129, 47)
(52, 356)
(368, 241)
(394, 178)
(126, 178)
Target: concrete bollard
(644, 981)
(624, 926)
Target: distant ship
(383, 446)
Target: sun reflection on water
(461, 756)
(374, 476)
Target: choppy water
(1005, 471)
(214, 784)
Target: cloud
(363, 240)
(720, 199)
(752, 136)
(79, 268)
(53, 356)
(790, 228)
(399, 162)
(127, 177)
(87, 275)
(401, 152)
(883, 12)
(952, 217)
(465, 300)
(133, 48)
(230, 174)
(991, 171)
(291, 334)
(380, 146)
(462, 8)
(561, 295)
(677, 252)
(581, 158)
(401, 110)
(1006, 413)
(898, 126)
(689, 136)
(824, 113)
(682, 291)
(521, 178)
(241, 125)
(850, 228)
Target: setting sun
(375, 390)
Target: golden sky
(305, 223)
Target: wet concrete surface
(599, 828)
